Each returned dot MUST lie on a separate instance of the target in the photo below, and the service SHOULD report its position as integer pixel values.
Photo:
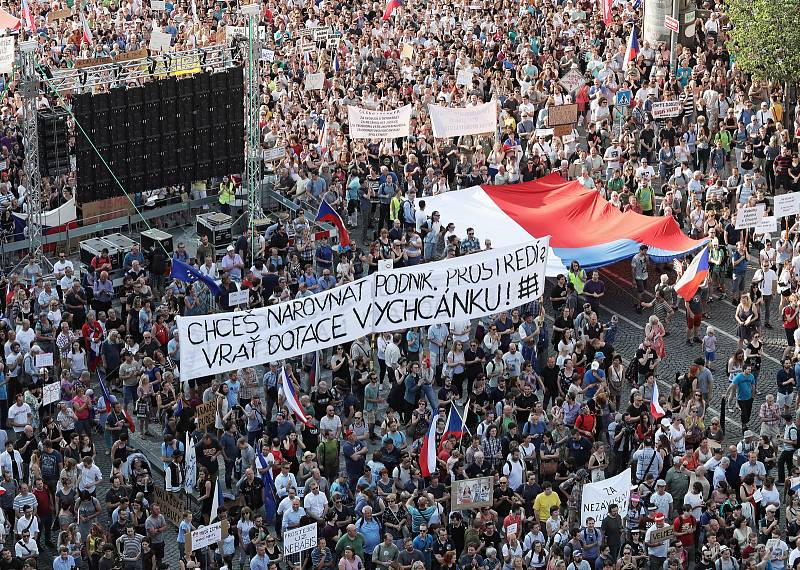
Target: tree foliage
(765, 37)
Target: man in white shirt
(316, 504)
(11, 461)
(27, 523)
(26, 336)
(89, 475)
(284, 480)
(611, 158)
(60, 266)
(661, 499)
(767, 281)
(26, 546)
(19, 414)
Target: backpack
(631, 372)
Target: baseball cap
(230, 248)
(659, 516)
(661, 483)
(600, 355)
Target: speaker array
(53, 141)
(166, 133)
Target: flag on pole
(195, 17)
(327, 214)
(632, 51)
(87, 31)
(427, 454)
(655, 407)
(216, 502)
(454, 424)
(129, 419)
(323, 138)
(286, 388)
(693, 277)
(188, 274)
(270, 504)
(607, 11)
(190, 476)
(27, 16)
(104, 391)
(390, 6)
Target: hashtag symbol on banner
(528, 286)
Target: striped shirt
(21, 501)
(130, 546)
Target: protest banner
(314, 81)
(205, 414)
(239, 298)
(51, 393)
(172, 504)
(766, 225)
(472, 493)
(597, 497)
(299, 539)
(559, 115)
(43, 360)
(462, 288)
(572, 80)
(786, 204)
(160, 41)
(666, 109)
(369, 124)
(667, 532)
(385, 264)
(749, 217)
(452, 122)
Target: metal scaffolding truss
(106, 72)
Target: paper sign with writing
(321, 34)
(572, 80)
(6, 54)
(44, 360)
(314, 81)
(172, 505)
(51, 393)
(232, 31)
(666, 109)
(369, 124)
(272, 154)
(767, 225)
(206, 413)
(787, 204)
(464, 77)
(160, 41)
(54, 15)
(158, 5)
(239, 298)
(206, 535)
(749, 217)
(558, 115)
(407, 52)
(299, 539)
(267, 55)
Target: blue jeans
(128, 395)
(427, 390)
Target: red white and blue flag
(286, 388)
(655, 407)
(323, 138)
(693, 276)
(327, 214)
(390, 6)
(27, 16)
(105, 392)
(633, 50)
(607, 16)
(427, 454)
(455, 423)
(87, 31)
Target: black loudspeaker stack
(53, 141)
(169, 132)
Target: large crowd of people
(553, 402)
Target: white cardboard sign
(239, 297)
(787, 205)
(51, 393)
(749, 217)
(206, 535)
(314, 81)
(299, 539)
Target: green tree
(765, 38)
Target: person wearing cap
(656, 549)
(662, 500)
(232, 264)
(578, 562)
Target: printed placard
(472, 493)
(314, 81)
(749, 217)
(172, 504)
(273, 154)
(158, 5)
(767, 225)
(206, 535)
(666, 109)
(267, 55)
(6, 54)
(369, 124)
(321, 34)
(662, 534)
(407, 52)
(449, 122)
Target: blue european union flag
(188, 274)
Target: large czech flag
(328, 214)
(581, 224)
(427, 454)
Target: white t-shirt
(661, 502)
(19, 415)
(766, 281)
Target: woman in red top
(790, 315)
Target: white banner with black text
(452, 122)
(467, 287)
